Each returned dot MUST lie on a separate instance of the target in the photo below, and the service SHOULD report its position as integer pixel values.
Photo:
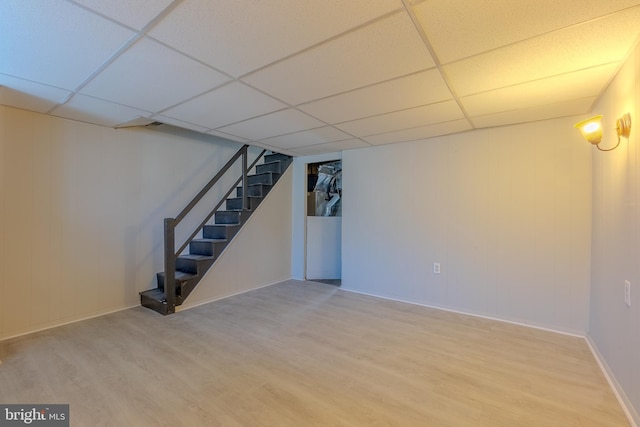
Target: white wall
(260, 254)
(614, 328)
(81, 212)
(506, 212)
(324, 247)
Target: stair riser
(254, 190)
(276, 167)
(268, 178)
(180, 285)
(236, 203)
(277, 157)
(228, 217)
(206, 248)
(154, 305)
(220, 231)
(192, 266)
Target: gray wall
(614, 328)
(505, 211)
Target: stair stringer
(259, 255)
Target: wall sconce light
(591, 130)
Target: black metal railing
(170, 224)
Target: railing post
(170, 264)
(245, 190)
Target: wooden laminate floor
(308, 354)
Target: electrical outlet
(436, 268)
(627, 293)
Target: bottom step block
(155, 300)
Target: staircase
(208, 241)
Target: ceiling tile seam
(290, 133)
(415, 127)
(154, 116)
(297, 107)
(184, 101)
(427, 138)
(287, 107)
(277, 149)
(160, 16)
(155, 21)
(322, 143)
(134, 39)
(367, 86)
(149, 113)
(323, 42)
(217, 128)
(330, 142)
(234, 80)
(324, 124)
(436, 59)
(226, 133)
(139, 34)
(392, 112)
(33, 81)
(302, 131)
(567, 27)
(186, 55)
(553, 76)
(513, 110)
(80, 121)
(562, 116)
(621, 63)
(163, 13)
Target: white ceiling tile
(560, 109)
(179, 123)
(426, 87)
(381, 51)
(228, 104)
(55, 42)
(242, 35)
(579, 84)
(308, 137)
(359, 66)
(227, 136)
(420, 116)
(419, 132)
(135, 14)
(598, 42)
(97, 111)
(278, 123)
(274, 149)
(137, 122)
(29, 95)
(330, 147)
(156, 78)
(461, 28)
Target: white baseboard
(68, 322)
(627, 406)
(218, 298)
(572, 333)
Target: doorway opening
(324, 222)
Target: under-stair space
(210, 240)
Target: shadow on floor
(334, 282)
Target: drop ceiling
(313, 76)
